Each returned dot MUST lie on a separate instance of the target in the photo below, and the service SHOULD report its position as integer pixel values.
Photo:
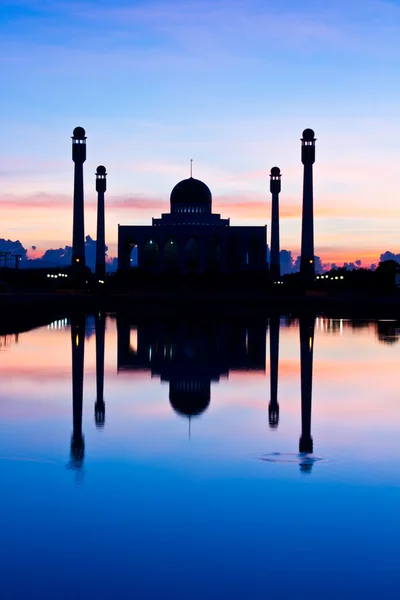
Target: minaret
(100, 407)
(78, 351)
(307, 267)
(306, 364)
(275, 187)
(273, 408)
(78, 234)
(101, 186)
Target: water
(185, 479)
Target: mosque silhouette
(191, 238)
(190, 357)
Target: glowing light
(310, 343)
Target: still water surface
(168, 461)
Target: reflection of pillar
(100, 407)
(306, 359)
(78, 350)
(273, 408)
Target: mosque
(191, 238)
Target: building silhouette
(307, 266)
(100, 407)
(191, 238)
(275, 188)
(190, 356)
(273, 408)
(78, 350)
(101, 186)
(78, 233)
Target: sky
(231, 84)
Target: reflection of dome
(79, 133)
(191, 194)
(308, 135)
(101, 170)
(275, 171)
(189, 398)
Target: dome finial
(191, 167)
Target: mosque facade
(191, 238)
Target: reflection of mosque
(306, 326)
(190, 356)
(78, 331)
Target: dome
(101, 170)
(275, 171)
(189, 399)
(79, 133)
(308, 135)
(191, 195)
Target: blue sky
(231, 84)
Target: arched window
(256, 253)
(213, 255)
(134, 256)
(171, 255)
(191, 256)
(150, 255)
(233, 255)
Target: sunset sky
(229, 83)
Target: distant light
(336, 277)
(317, 277)
(341, 277)
(101, 281)
(48, 274)
(311, 262)
(77, 259)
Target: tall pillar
(78, 351)
(101, 186)
(307, 267)
(78, 234)
(273, 408)
(275, 187)
(307, 323)
(100, 407)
